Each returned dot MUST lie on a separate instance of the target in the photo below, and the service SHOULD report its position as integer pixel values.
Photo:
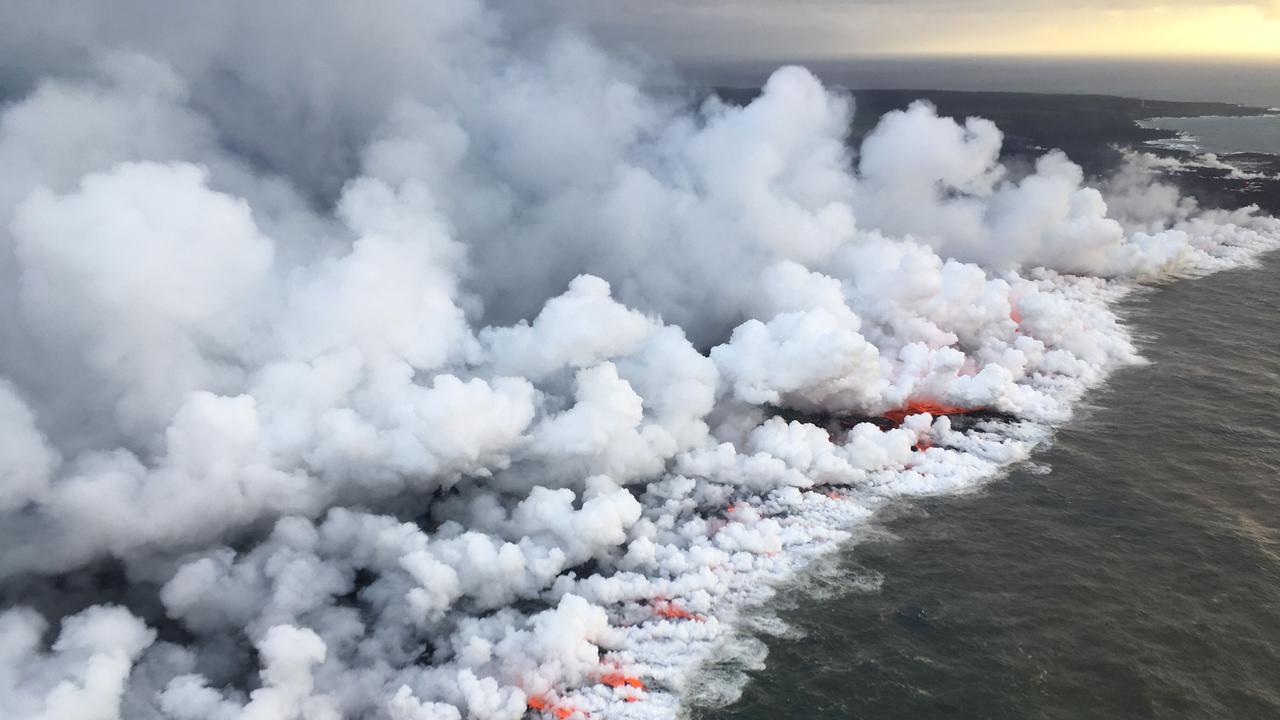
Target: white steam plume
(414, 362)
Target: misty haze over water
(1242, 82)
(1260, 134)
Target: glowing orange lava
(561, 711)
(671, 611)
(915, 407)
(617, 679)
(1014, 315)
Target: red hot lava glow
(560, 710)
(617, 679)
(916, 407)
(667, 609)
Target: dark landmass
(835, 424)
(1091, 129)
(1080, 125)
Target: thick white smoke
(415, 363)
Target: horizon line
(1208, 58)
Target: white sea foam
(1199, 161)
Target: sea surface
(1220, 135)
(1254, 83)
(1130, 570)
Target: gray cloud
(812, 28)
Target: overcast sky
(691, 29)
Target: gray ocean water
(1222, 135)
(1255, 83)
(1138, 578)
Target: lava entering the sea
(917, 407)
(667, 609)
(562, 711)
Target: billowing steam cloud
(414, 363)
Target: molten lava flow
(671, 611)
(617, 679)
(1014, 315)
(922, 444)
(561, 711)
(916, 407)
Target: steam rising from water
(416, 363)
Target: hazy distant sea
(1223, 134)
(1245, 83)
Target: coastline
(973, 612)
(1220, 135)
(719, 655)
(1095, 131)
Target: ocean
(1130, 570)
(1254, 83)
(1220, 135)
